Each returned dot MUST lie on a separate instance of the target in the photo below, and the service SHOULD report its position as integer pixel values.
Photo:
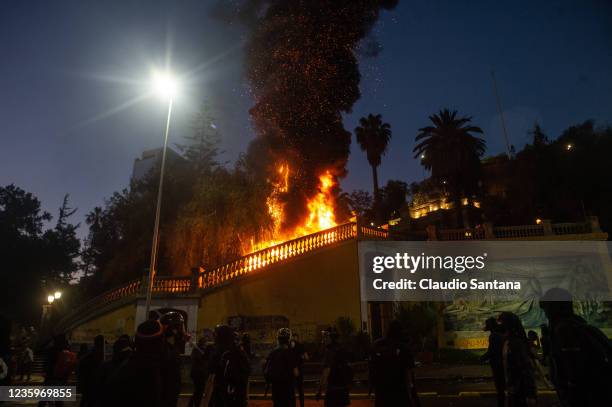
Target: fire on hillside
(320, 214)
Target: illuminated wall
(307, 293)
(418, 210)
(112, 324)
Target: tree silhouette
(393, 199)
(373, 136)
(35, 260)
(359, 202)
(539, 138)
(452, 152)
(62, 245)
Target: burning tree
(304, 74)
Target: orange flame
(320, 210)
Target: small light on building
(371, 223)
(50, 299)
(57, 295)
(538, 221)
(569, 146)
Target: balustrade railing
(129, 289)
(515, 232)
(275, 254)
(246, 264)
(172, 285)
(372, 232)
(571, 228)
(505, 232)
(462, 234)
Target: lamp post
(165, 85)
(46, 309)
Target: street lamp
(165, 86)
(50, 299)
(57, 295)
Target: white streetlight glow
(57, 295)
(165, 85)
(50, 299)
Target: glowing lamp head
(569, 146)
(57, 295)
(50, 299)
(165, 85)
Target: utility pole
(501, 115)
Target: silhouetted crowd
(17, 359)
(148, 371)
(578, 357)
(570, 355)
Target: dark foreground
(445, 387)
(430, 399)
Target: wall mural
(583, 277)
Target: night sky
(70, 69)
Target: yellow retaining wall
(112, 324)
(311, 291)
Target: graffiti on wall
(87, 332)
(263, 328)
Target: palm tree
(452, 152)
(373, 137)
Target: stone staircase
(38, 367)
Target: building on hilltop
(151, 159)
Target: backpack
(65, 364)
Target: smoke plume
(302, 66)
